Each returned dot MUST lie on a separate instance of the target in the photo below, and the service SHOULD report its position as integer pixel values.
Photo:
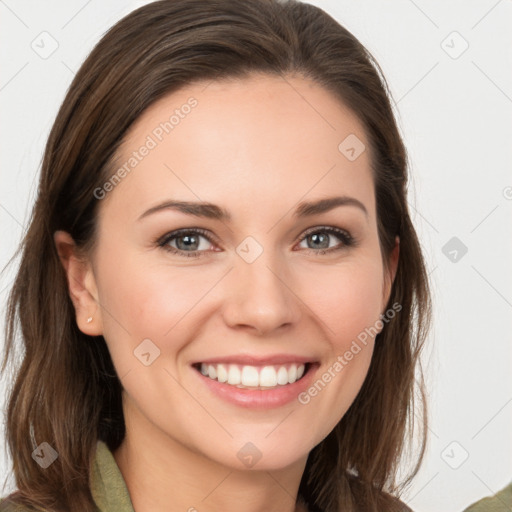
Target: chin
(261, 454)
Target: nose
(261, 296)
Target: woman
(221, 295)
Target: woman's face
(272, 289)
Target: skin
(256, 146)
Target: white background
(455, 115)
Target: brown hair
(66, 390)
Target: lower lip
(259, 398)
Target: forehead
(266, 140)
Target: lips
(256, 360)
(270, 382)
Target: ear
(81, 284)
(389, 277)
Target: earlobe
(81, 284)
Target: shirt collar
(107, 484)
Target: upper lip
(257, 360)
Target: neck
(162, 474)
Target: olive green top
(107, 484)
(108, 487)
(111, 494)
(499, 502)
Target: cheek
(347, 300)
(142, 301)
(348, 307)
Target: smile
(253, 377)
(257, 381)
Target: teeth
(268, 377)
(222, 373)
(252, 376)
(282, 376)
(292, 374)
(233, 375)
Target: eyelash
(347, 240)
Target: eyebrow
(213, 211)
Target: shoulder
(6, 505)
(499, 502)
(11, 503)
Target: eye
(185, 239)
(188, 241)
(320, 239)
